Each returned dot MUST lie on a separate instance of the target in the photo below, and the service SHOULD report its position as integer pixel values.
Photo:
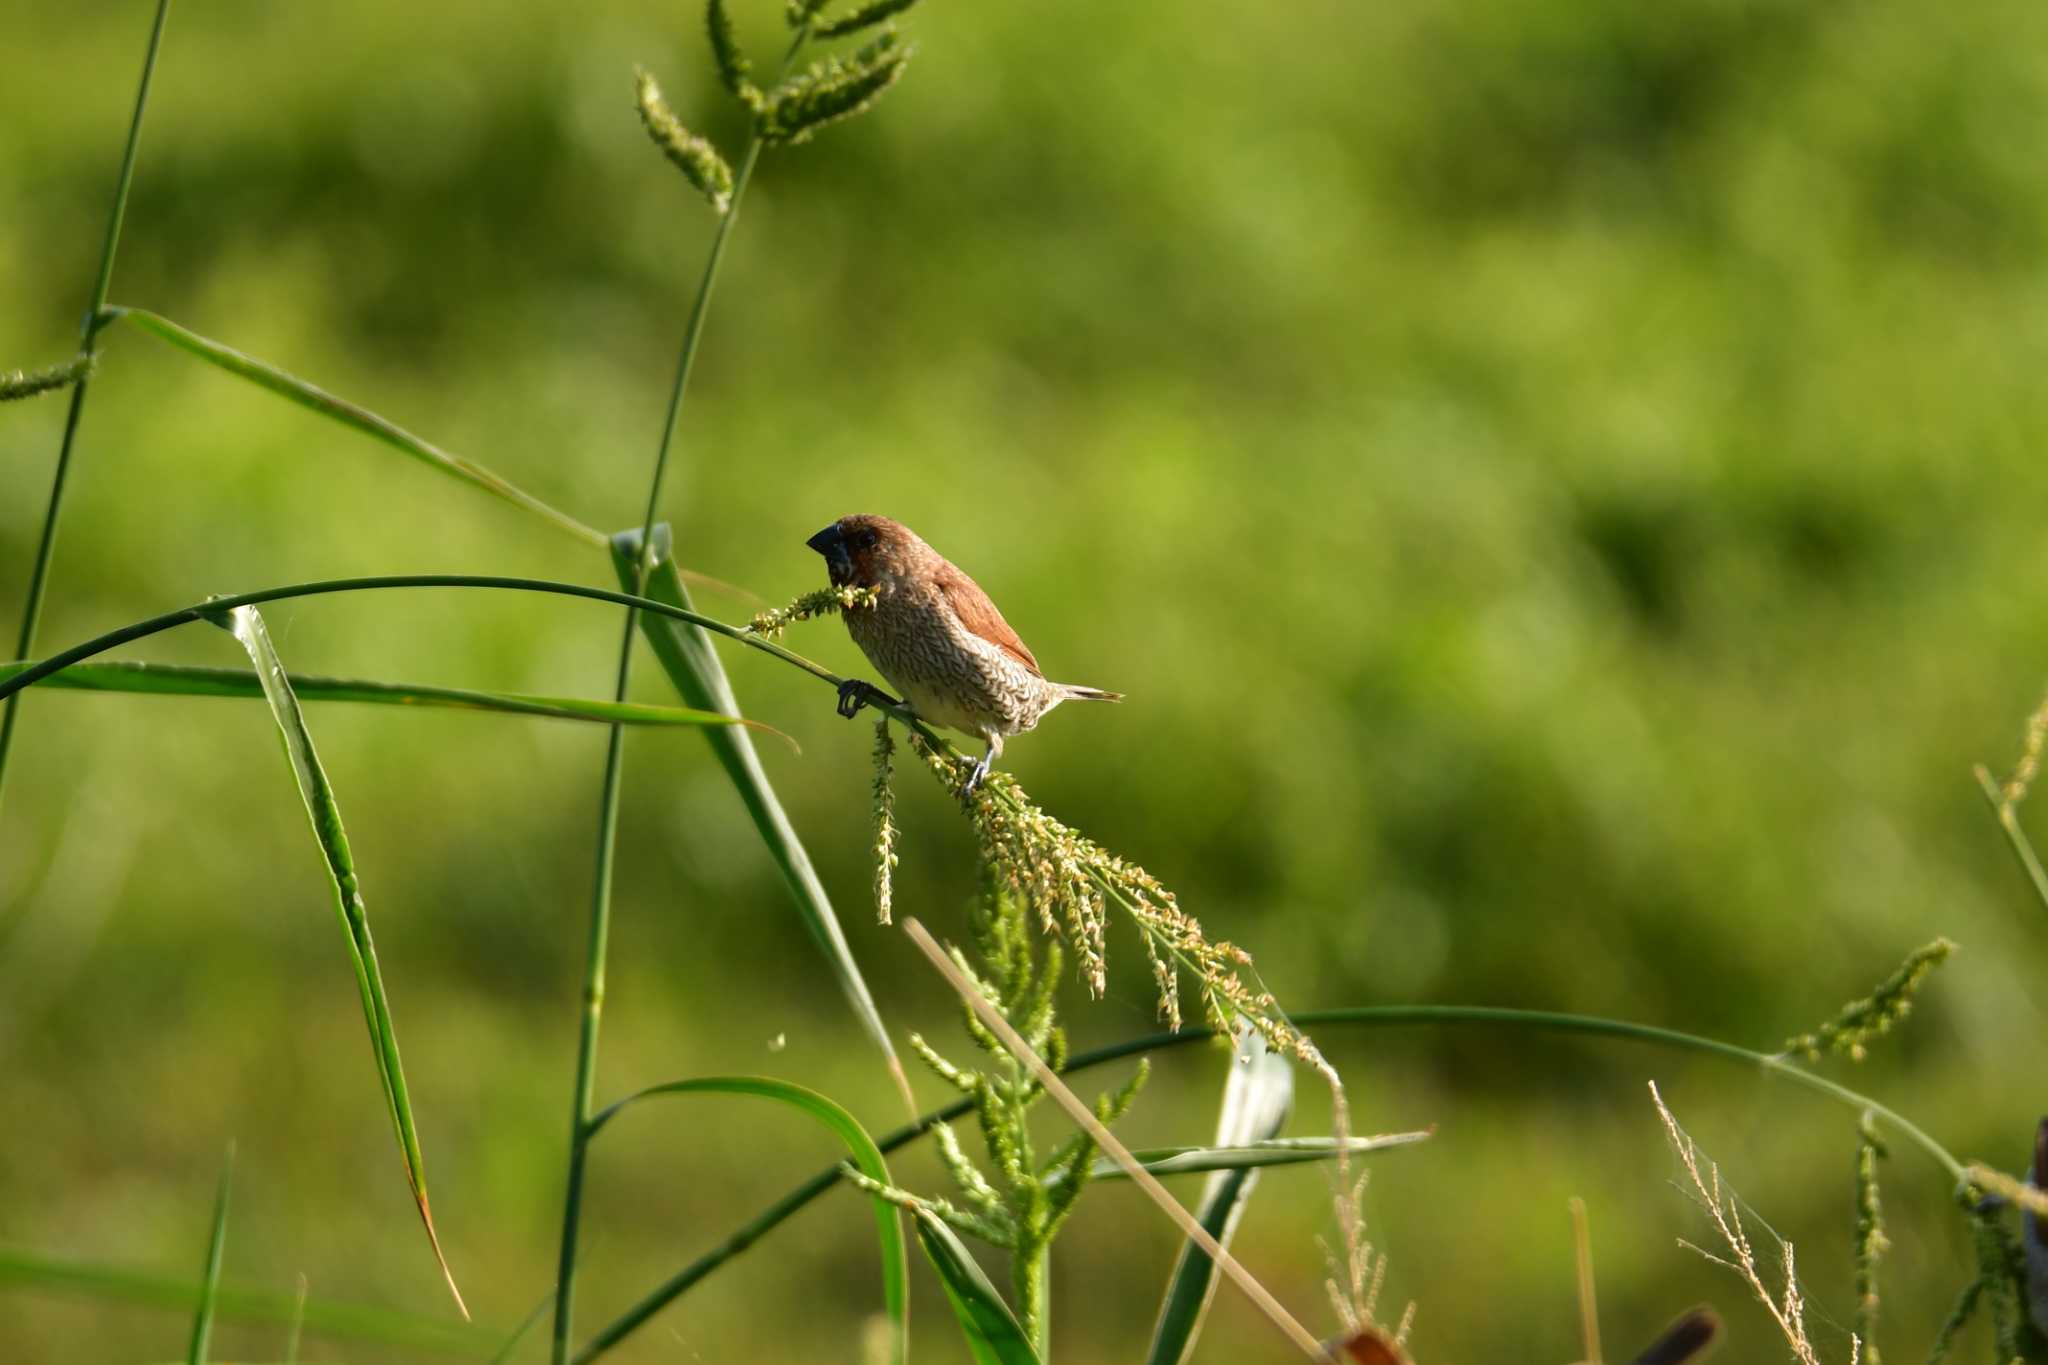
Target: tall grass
(1066, 879)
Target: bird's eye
(868, 539)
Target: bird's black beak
(831, 544)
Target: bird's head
(865, 551)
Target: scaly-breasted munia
(934, 634)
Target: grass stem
(39, 575)
(608, 801)
(1369, 1016)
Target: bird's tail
(1074, 693)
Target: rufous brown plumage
(934, 634)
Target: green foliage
(209, 1280)
(866, 1158)
(693, 668)
(1256, 1102)
(317, 795)
(198, 680)
(1022, 1206)
(994, 1336)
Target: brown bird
(935, 635)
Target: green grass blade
(350, 414)
(246, 625)
(53, 509)
(526, 1324)
(993, 1336)
(28, 1271)
(866, 1156)
(298, 1325)
(192, 680)
(209, 1285)
(1256, 1101)
(1253, 1156)
(693, 666)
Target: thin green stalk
(39, 575)
(2009, 821)
(209, 1285)
(22, 1270)
(608, 800)
(215, 606)
(1373, 1016)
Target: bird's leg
(855, 693)
(980, 773)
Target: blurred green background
(1561, 485)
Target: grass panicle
(1022, 1207)
(830, 90)
(735, 72)
(1873, 1016)
(696, 158)
(1786, 1304)
(2020, 780)
(1068, 882)
(885, 822)
(860, 17)
(823, 602)
(1869, 1243)
(1358, 1273)
(29, 383)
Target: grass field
(1561, 487)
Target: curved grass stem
(580, 1126)
(39, 575)
(1371, 1016)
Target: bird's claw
(855, 693)
(978, 776)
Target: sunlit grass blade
(1252, 1156)
(26, 1271)
(1256, 1101)
(865, 1155)
(246, 625)
(349, 414)
(693, 666)
(195, 680)
(993, 1336)
(209, 1284)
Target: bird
(934, 634)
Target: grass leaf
(1256, 1101)
(27, 1270)
(1251, 1156)
(350, 415)
(865, 1155)
(993, 1336)
(246, 625)
(192, 680)
(687, 656)
(209, 1287)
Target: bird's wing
(979, 615)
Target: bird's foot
(855, 693)
(978, 776)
